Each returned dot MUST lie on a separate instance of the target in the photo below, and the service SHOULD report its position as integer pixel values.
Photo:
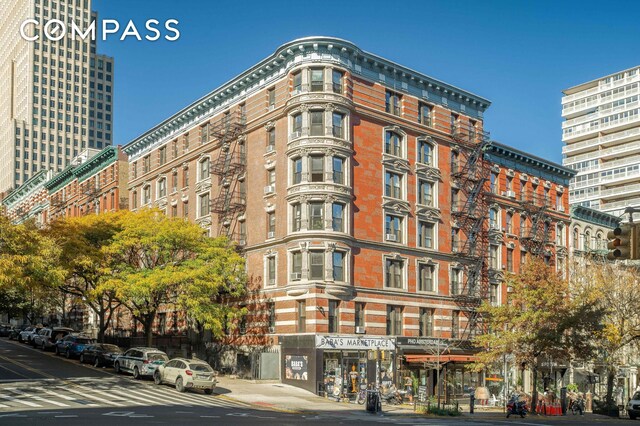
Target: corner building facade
(330, 167)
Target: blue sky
(518, 54)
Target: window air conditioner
(269, 189)
(360, 330)
(271, 234)
(392, 237)
(511, 194)
(296, 276)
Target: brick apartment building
(95, 182)
(30, 200)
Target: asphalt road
(39, 388)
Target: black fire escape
(230, 166)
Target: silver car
(47, 337)
(140, 361)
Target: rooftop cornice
(60, 180)
(595, 217)
(283, 57)
(509, 152)
(36, 182)
(96, 163)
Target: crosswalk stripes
(78, 393)
(36, 397)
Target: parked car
(15, 332)
(28, 333)
(100, 354)
(633, 406)
(72, 345)
(140, 361)
(5, 330)
(47, 337)
(186, 374)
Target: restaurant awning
(421, 359)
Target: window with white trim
(426, 234)
(394, 273)
(316, 265)
(271, 270)
(338, 265)
(393, 143)
(425, 192)
(426, 277)
(204, 172)
(393, 185)
(425, 153)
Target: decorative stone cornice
(312, 51)
(429, 213)
(396, 206)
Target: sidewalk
(285, 398)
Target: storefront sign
(421, 342)
(296, 367)
(363, 343)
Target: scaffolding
(469, 175)
(229, 167)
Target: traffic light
(623, 242)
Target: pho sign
(355, 342)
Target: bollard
(472, 401)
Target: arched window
(576, 238)
(426, 153)
(599, 242)
(587, 240)
(393, 143)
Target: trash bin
(563, 400)
(373, 404)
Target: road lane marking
(37, 398)
(26, 367)
(59, 395)
(27, 403)
(13, 371)
(87, 395)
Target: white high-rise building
(601, 133)
(56, 97)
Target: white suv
(140, 361)
(187, 374)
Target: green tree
(155, 260)
(540, 321)
(29, 267)
(82, 240)
(614, 287)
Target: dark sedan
(5, 330)
(100, 354)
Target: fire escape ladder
(470, 176)
(229, 166)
